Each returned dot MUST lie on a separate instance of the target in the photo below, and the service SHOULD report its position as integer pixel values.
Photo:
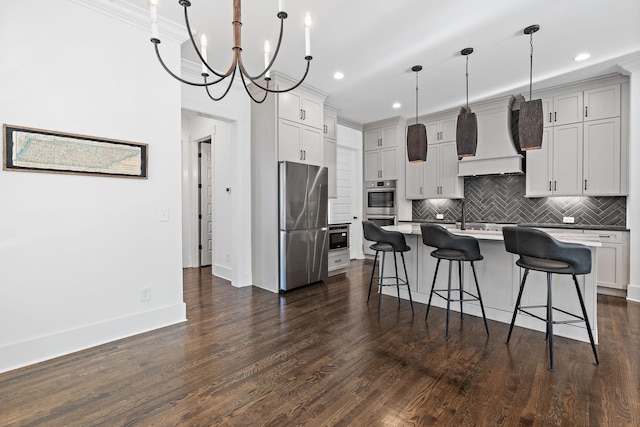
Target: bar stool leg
(475, 277)
(460, 286)
(375, 258)
(586, 320)
(550, 321)
(435, 275)
(395, 263)
(448, 300)
(381, 278)
(515, 311)
(406, 277)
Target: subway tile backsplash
(501, 199)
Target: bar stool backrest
(375, 233)
(438, 237)
(530, 242)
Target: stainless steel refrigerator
(303, 224)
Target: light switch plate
(567, 219)
(439, 216)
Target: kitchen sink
(484, 226)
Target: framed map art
(39, 150)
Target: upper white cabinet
(442, 130)
(301, 107)
(380, 138)
(381, 164)
(382, 153)
(330, 128)
(582, 148)
(437, 178)
(300, 144)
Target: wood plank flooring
(320, 356)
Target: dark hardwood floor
(319, 355)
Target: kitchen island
(499, 279)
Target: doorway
(205, 203)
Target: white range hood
(496, 153)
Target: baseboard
(222, 272)
(25, 353)
(633, 293)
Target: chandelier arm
(213, 98)
(180, 79)
(254, 99)
(308, 58)
(195, 47)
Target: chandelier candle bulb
(267, 50)
(307, 34)
(203, 51)
(280, 5)
(153, 9)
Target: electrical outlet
(145, 294)
(163, 215)
(439, 216)
(567, 219)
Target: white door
(206, 204)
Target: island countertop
(562, 235)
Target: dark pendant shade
(417, 143)
(530, 125)
(467, 134)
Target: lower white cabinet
(299, 143)
(613, 259)
(330, 152)
(338, 261)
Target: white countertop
(563, 235)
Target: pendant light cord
(416, 97)
(531, 67)
(467, 83)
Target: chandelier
(236, 64)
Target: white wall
(76, 250)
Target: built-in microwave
(338, 236)
(380, 197)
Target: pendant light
(530, 120)
(417, 133)
(467, 126)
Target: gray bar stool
(453, 248)
(541, 252)
(387, 241)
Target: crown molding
(631, 66)
(136, 16)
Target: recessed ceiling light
(338, 75)
(396, 105)
(582, 57)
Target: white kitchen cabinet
(601, 164)
(442, 130)
(380, 138)
(437, 178)
(602, 102)
(381, 164)
(301, 107)
(613, 259)
(299, 143)
(562, 109)
(330, 128)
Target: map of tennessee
(42, 151)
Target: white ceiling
(375, 44)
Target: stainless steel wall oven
(380, 198)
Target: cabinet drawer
(610, 237)
(338, 259)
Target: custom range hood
(496, 153)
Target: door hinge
(199, 154)
(199, 185)
(199, 216)
(200, 247)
